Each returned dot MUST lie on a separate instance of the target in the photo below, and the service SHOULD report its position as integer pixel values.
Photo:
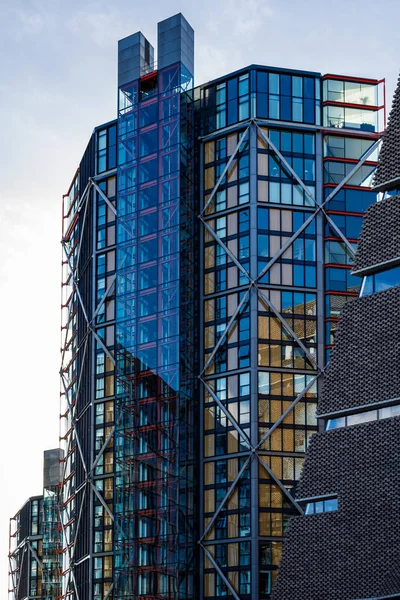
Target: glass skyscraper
(208, 237)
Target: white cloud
(244, 17)
(98, 26)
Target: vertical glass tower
(208, 236)
(155, 402)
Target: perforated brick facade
(380, 235)
(367, 346)
(389, 166)
(354, 552)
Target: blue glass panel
(274, 137)
(309, 510)
(273, 83)
(262, 82)
(274, 107)
(297, 109)
(148, 197)
(298, 143)
(389, 411)
(263, 218)
(286, 105)
(148, 114)
(112, 157)
(353, 227)
(263, 245)
(286, 141)
(297, 86)
(381, 281)
(262, 106)
(364, 417)
(148, 170)
(232, 111)
(286, 85)
(148, 142)
(309, 111)
(243, 85)
(243, 110)
(331, 504)
(335, 423)
(309, 87)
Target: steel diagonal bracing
(226, 498)
(253, 287)
(306, 190)
(16, 570)
(226, 331)
(71, 380)
(25, 550)
(279, 483)
(220, 573)
(24, 553)
(226, 169)
(283, 322)
(226, 412)
(290, 408)
(13, 575)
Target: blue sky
(58, 80)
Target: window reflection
(363, 417)
(321, 506)
(380, 281)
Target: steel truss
(16, 561)
(253, 127)
(71, 381)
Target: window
(221, 105)
(321, 506)
(363, 417)
(380, 281)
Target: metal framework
(256, 292)
(19, 559)
(73, 360)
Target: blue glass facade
(154, 509)
(272, 253)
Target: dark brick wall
(354, 552)
(365, 364)
(380, 235)
(389, 165)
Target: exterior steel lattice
(75, 502)
(254, 294)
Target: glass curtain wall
(154, 510)
(259, 321)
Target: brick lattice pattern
(365, 364)
(354, 552)
(389, 164)
(380, 235)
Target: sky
(58, 63)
